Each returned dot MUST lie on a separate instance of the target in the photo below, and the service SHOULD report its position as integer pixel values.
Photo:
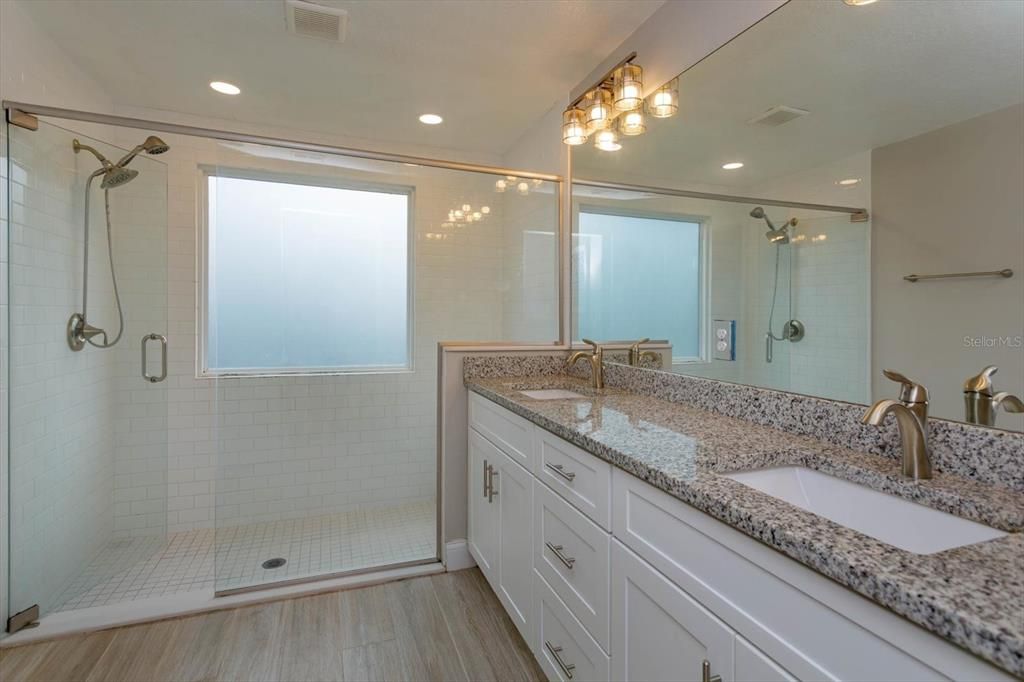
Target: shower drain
(276, 562)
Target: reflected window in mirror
(640, 275)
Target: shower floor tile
(139, 568)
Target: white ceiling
(869, 75)
(492, 69)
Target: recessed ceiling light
(859, 3)
(732, 165)
(848, 182)
(225, 88)
(431, 119)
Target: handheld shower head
(776, 235)
(151, 145)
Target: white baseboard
(457, 556)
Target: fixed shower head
(757, 212)
(115, 176)
(776, 235)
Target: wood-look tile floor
(449, 626)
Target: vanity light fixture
(523, 188)
(732, 165)
(225, 88)
(431, 119)
(485, 210)
(615, 105)
(599, 109)
(848, 182)
(628, 82)
(574, 126)
(632, 122)
(500, 185)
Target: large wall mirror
(767, 273)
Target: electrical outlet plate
(724, 340)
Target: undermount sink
(888, 518)
(552, 394)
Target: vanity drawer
(507, 430)
(578, 476)
(572, 553)
(562, 646)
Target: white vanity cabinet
(609, 578)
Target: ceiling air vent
(776, 116)
(312, 20)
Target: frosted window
(304, 277)
(639, 276)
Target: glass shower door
(87, 456)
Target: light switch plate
(724, 340)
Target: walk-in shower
(793, 329)
(79, 331)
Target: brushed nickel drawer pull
(560, 470)
(557, 551)
(705, 673)
(487, 479)
(567, 668)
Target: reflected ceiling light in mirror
(664, 101)
(633, 122)
(628, 85)
(500, 185)
(431, 119)
(859, 3)
(523, 188)
(848, 182)
(607, 141)
(732, 165)
(598, 106)
(225, 88)
(574, 126)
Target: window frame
(703, 267)
(207, 171)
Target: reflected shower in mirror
(911, 111)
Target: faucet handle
(596, 346)
(981, 383)
(636, 346)
(910, 391)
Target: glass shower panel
(328, 282)
(87, 440)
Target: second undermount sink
(888, 518)
(552, 394)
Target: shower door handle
(163, 357)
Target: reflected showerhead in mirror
(775, 235)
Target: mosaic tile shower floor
(140, 568)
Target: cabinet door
(483, 517)
(658, 631)
(513, 500)
(752, 665)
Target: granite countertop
(972, 596)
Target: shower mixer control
(725, 340)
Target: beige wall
(950, 201)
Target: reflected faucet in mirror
(637, 356)
(911, 412)
(982, 402)
(596, 360)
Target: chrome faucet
(911, 412)
(982, 403)
(596, 360)
(637, 356)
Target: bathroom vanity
(609, 529)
